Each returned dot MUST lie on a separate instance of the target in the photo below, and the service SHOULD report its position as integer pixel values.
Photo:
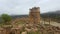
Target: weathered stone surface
(34, 15)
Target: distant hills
(51, 14)
(54, 15)
(18, 16)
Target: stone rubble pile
(31, 29)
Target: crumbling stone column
(34, 15)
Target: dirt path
(53, 23)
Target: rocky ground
(33, 28)
(39, 29)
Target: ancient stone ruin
(33, 26)
(34, 15)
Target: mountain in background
(18, 16)
(53, 15)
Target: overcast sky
(22, 6)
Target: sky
(19, 7)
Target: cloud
(50, 5)
(22, 6)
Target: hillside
(54, 16)
(18, 16)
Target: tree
(6, 18)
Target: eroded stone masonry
(34, 15)
(32, 25)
